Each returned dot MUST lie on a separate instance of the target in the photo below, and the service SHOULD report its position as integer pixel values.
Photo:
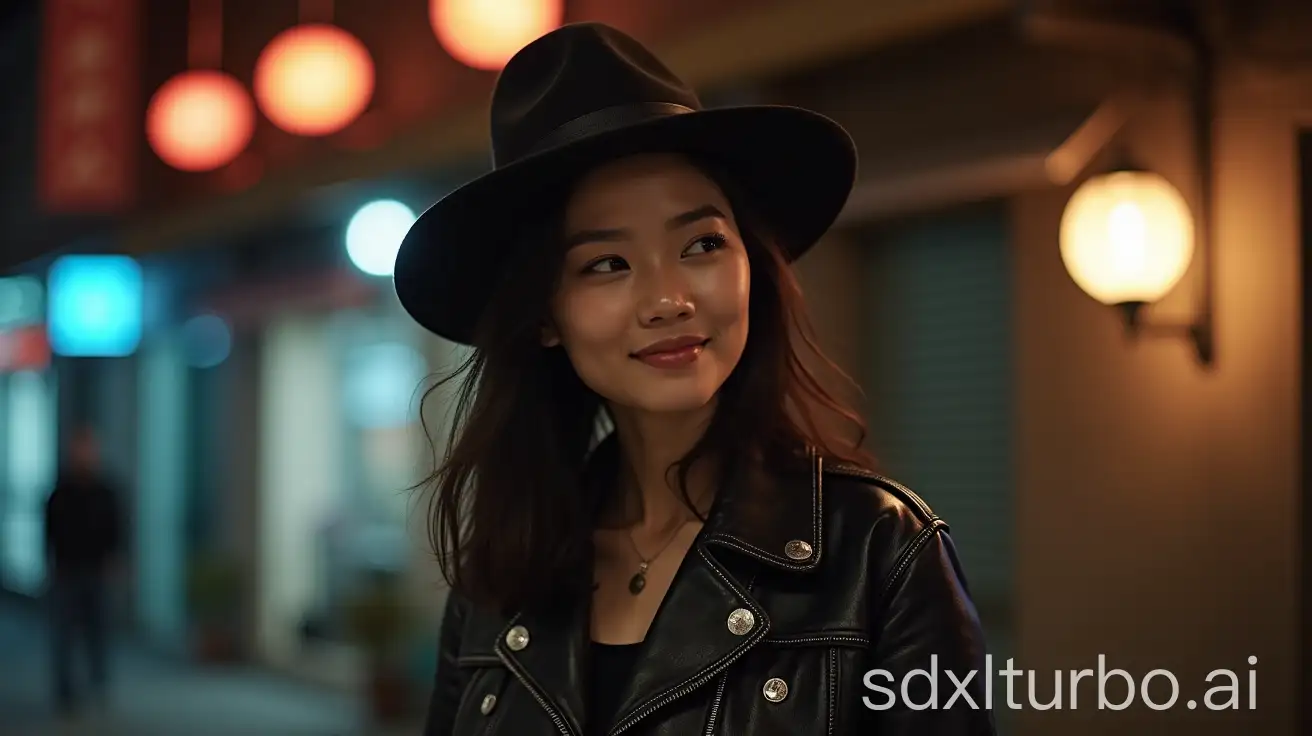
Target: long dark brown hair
(509, 517)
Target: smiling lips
(676, 352)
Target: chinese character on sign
(89, 133)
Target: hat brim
(798, 167)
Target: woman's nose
(668, 309)
(666, 300)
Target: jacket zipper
(821, 639)
(546, 706)
(910, 554)
(715, 707)
(679, 693)
(527, 682)
(833, 688)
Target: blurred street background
(1072, 279)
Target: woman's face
(652, 302)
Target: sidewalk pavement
(155, 696)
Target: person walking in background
(83, 537)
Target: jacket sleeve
(448, 682)
(929, 640)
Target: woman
(718, 563)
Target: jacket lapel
(548, 653)
(774, 515)
(708, 619)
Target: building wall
(1158, 503)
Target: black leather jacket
(794, 590)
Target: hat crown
(577, 70)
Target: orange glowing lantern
(200, 120)
(485, 35)
(314, 79)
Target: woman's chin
(672, 399)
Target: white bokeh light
(374, 235)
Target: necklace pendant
(637, 583)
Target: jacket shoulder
(850, 489)
(875, 517)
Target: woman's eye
(706, 244)
(609, 264)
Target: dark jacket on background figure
(83, 528)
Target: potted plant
(213, 603)
(379, 622)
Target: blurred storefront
(312, 426)
(98, 351)
(28, 406)
(338, 449)
(262, 418)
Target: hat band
(604, 120)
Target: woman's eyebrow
(682, 219)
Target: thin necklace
(639, 580)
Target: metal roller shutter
(940, 390)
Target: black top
(612, 664)
(82, 524)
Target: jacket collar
(707, 621)
(769, 512)
(772, 515)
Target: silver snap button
(517, 638)
(775, 690)
(741, 621)
(798, 550)
(489, 702)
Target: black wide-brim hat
(583, 94)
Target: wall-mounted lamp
(1127, 238)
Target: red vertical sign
(89, 120)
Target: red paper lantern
(314, 79)
(200, 120)
(484, 35)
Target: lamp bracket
(1198, 332)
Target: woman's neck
(650, 444)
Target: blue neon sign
(94, 306)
